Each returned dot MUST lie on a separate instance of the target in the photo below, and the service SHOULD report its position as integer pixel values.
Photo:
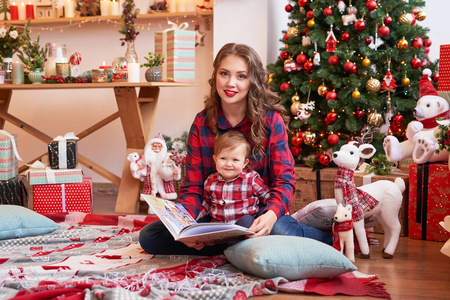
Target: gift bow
(67, 136)
(62, 148)
(182, 26)
(40, 166)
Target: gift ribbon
(16, 154)
(422, 197)
(62, 148)
(63, 196)
(40, 166)
(174, 26)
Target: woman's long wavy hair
(260, 99)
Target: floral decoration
(10, 41)
(153, 60)
(443, 137)
(128, 16)
(379, 165)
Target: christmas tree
(349, 69)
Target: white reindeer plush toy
(382, 198)
(343, 231)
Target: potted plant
(33, 56)
(153, 73)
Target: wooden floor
(418, 270)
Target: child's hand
(263, 224)
(195, 245)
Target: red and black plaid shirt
(276, 168)
(228, 201)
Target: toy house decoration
(331, 40)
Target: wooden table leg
(5, 98)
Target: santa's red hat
(425, 85)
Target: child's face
(232, 80)
(231, 162)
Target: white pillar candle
(172, 6)
(105, 7)
(115, 11)
(134, 72)
(181, 5)
(191, 6)
(68, 9)
(17, 73)
(22, 12)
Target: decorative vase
(131, 54)
(7, 67)
(153, 74)
(36, 76)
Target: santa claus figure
(160, 170)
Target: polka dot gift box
(444, 69)
(66, 197)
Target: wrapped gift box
(49, 176)
(9, 167)
(13, 192)
(444, 69)
(178, 49)
(429, 201)
(66, 197)
(62, 154)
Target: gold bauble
(295, 98)
(295, 107)
(322, 90)
(292, 31)
(406, 81)
(309, 137)
(373, 85)
(375, 119)
(406, 18)
(366, 62)
(356, 94)
(311, 23)
(421, 15)
(402, 44)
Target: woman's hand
(263, 224)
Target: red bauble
(371, 4)
(427, 42)
(333, 139)
(308, 65)
(418, 42)
(415, 63)
(310, 14)
(383, 31)
(296, 151)
(414, 22)
(398, 120)
(333, 60)
(427, 50)
(301, 59)
(331, 95)
(288, 8)
(345, 37)
(415, 10)
(368, 41)
(332, 116)
(327, 12)
(296, 141)
(284, 55)
(349, 66)
(359, 114)
(284, 86)
(285, 37)
(360, 25)
(387, 20)
(435, 77)
(306, 30)
(303, 3)
(323, 159)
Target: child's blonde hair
(231, 140)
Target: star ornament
(199, 37)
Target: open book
(185, 229)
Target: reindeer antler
(367, 136)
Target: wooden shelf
(140, 18)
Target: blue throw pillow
(291, 257)
(18, 221)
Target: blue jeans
(156, 239)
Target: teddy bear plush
(421, 142)
(343, 231)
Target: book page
(216, 237)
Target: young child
(234, 192)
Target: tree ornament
(383, 31)
(284, 86)
(333, 60)
(375, 119)
(406, 18)
(303, 3)
(388, 83)
(296, 141)
(322, 90)
(327, 11)
(296, 151)
(417, 42)
(301, 59)
(290, 66)
(308, 66)
(371, 5)
(331, 41)
(345, 37)
(406, 81)
(356, 94)
(415, 10)
(333, 139)
(332, 116)
(288, 8)
(360, 25)
(304, 111)
(402, 44)
(285, 37)
(368, 41)
(415, 63)
(373, 85)
(359, 114)
(270, 79)
(366, 62)
(310, 14)
(387, 20)
(295, 107)
(331, 95)
(309, 138)
(311, 23)
(292, 31)
(350, 67)
(398, 120)
(284, 55)
(421, 15)
(341, 6)
(427, 42)
(306, 41)
(435, 78)
(295, 98)
(323, 159)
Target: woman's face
(232, 80)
